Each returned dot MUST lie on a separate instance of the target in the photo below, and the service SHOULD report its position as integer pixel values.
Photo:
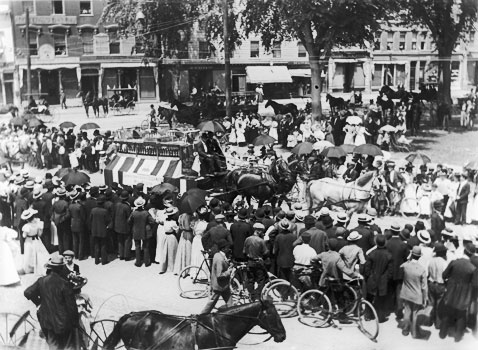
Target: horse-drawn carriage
(41, 109)
(122, 100)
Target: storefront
(346, 75)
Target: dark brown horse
(282, 109)
(186, 114)
(335, 103)
(263, 186)
(220, 330)
(168, 114)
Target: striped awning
(129, 170)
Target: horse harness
(194, 327)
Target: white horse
(353, 196)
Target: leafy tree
(447, 20)
(320, 25)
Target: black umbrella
(63, 171)
(333, 152)
(192, 200)
(67, 125)
(368, 149)
(89, 126)
(263, 139)
(75, 178)
(163, 188)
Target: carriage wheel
(367, 320)
(130, 106)
(15, 330)
(314, 308)
(284, 296)
(100, 330)
(193, 282)
(145, 124)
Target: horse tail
(115, 335)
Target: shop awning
(53, 66)
(304, 73)
(267, 74)
(130, 170)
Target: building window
(30, 5)
(302, 51)
(390, 41)
(401, 44)
(377, 44)
(414, 40)
(85, 8)
(204, 52)
(57, 6)
(87, 40)
(254, 48)
(60, 43)
(276, 51)
(114, 42)
(423, 40)
(138, 45)
(33, 45)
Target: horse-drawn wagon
(122, 100)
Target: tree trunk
(315, 86)
(444, 75)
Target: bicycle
(338, 300)
(194, 281)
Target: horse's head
(270, 321)
(283, 175)
(268, 103)
(174, 103)
(327, 97)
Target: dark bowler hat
(309, 220)
(124, 195)
(242, 214)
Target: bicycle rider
(302, 269)
(152, 117)
(256, 250)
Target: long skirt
(409, 203)
(166, 263)
(36, 256)
(196, 255)
(8, 268)
(160, 242)
(472, 210)
(425, 206)
(183, 255)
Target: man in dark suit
(318, 238)
(462, 200)
(121, 213)
(367, 240)
(283, 250)
(212, 237)
(240, 230)
(69, 256)
(206, 156)
(89, 204)
(78, 224)
(437, 222)
(399, 250)
(99, 221)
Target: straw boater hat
(37, 193)
(29, 184)
(342, 217)
(363, 218)
(74, 194)
(19, 179)
(27, 214)
(395, 227)
(448, 232)
(55, 261)
(139, 202)
(61, 192)
(258, 226)
(424, 236)
(354, 236)
(284, 224)
(171, 211)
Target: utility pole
(227, 59)
(29, 58)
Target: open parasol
(303, 148)
(75, 177)
(163, 188)
(33, 122)
(67, 125)
(368, 149)
(333, 152)
(348, 148)
(322, 144)
(211, 126)
(263, 139)
(89, 126)
(192, 200)
(63, 171)
(18, 121)
(471, 165)
(417, 155)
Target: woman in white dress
(8, 251)
(360, 133)
(240, 126)
(183, 255)
(349, 134)
(170, 245)
(424, 203)
(472, 209)
(450, 206)
(35, 254)
(273, 130)
(409, 205)
(198, 229)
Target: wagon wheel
(15, 330)
(130, 105)
(100, 330)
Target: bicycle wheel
(314, 308)
(349, 300)
(239, 294)
(193, 282)
(367, 320)
(273, 280)
(284, 296)
(145, 124)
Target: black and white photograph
(238, 174)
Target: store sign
(39, 20)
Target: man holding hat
(414, 293)
(220, 274)
(57, 313)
